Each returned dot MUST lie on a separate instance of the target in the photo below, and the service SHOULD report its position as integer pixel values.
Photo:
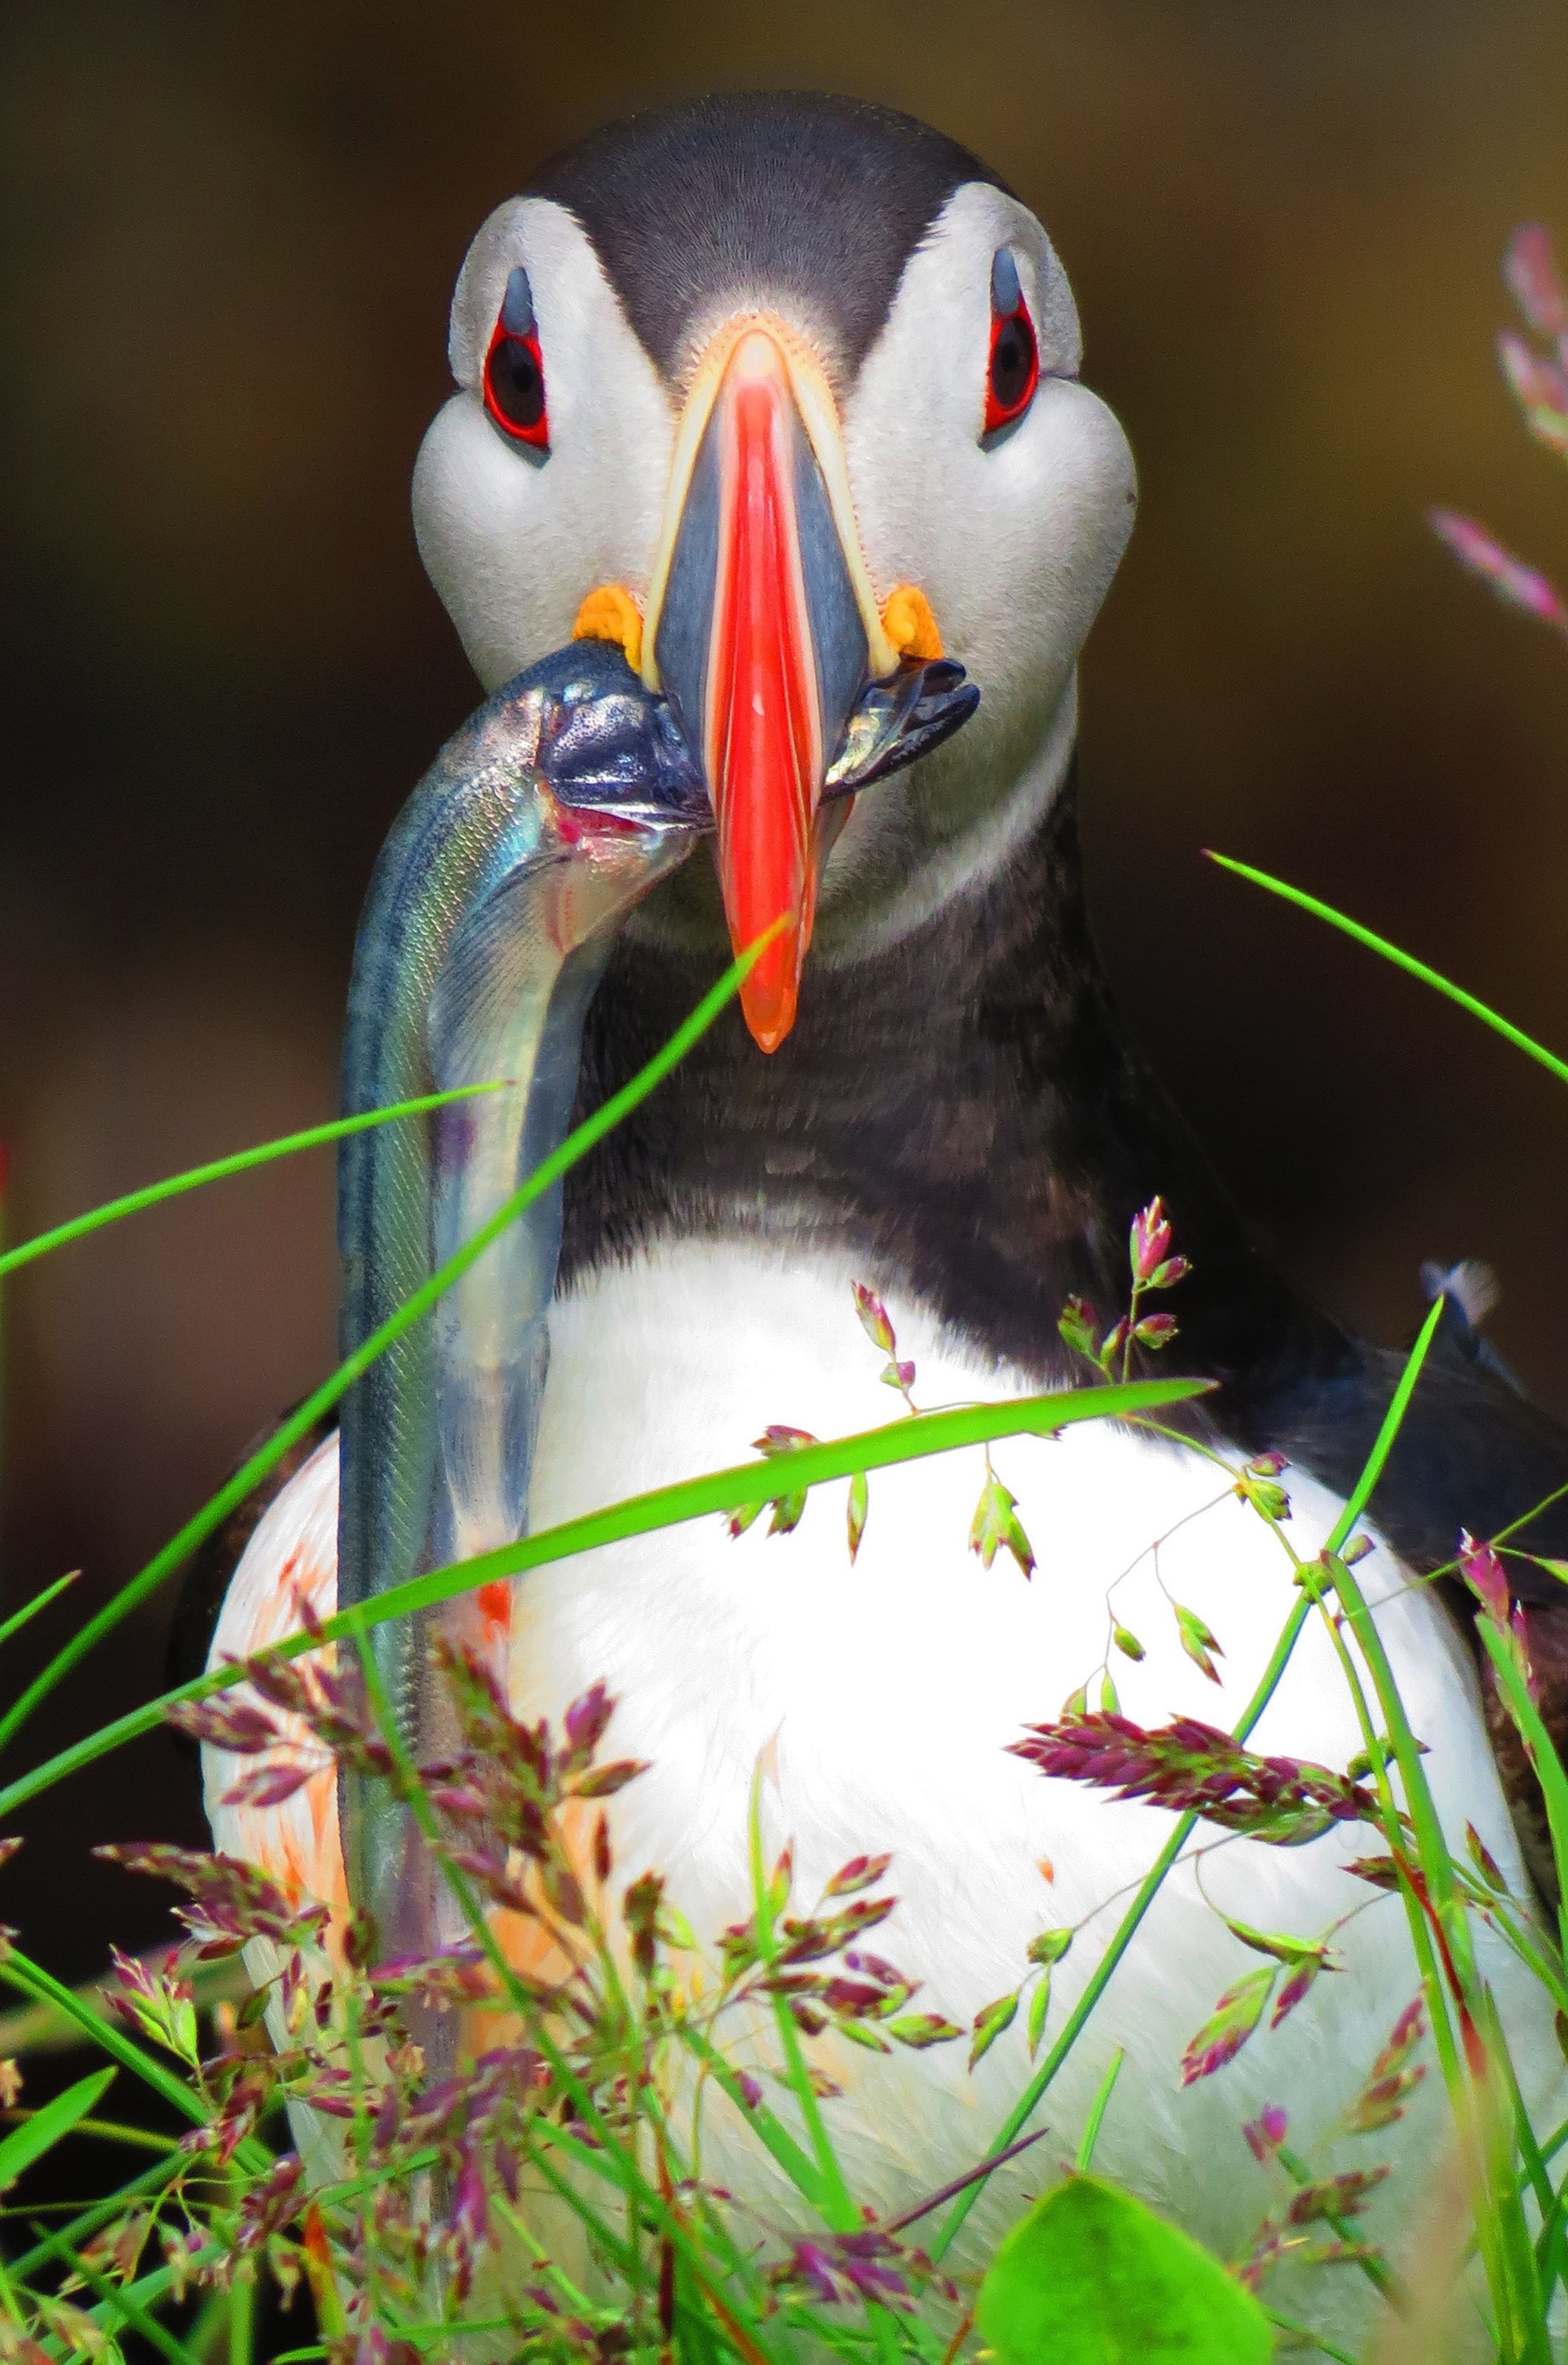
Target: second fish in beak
(762, 629)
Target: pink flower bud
(1484, 1575)
(1266, 2133)
(1149, 1243)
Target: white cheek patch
(1013, 540)
(514, 542)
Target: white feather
(881, 1698)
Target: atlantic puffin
(770, 394)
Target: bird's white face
(968, 494)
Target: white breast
(881, 1696)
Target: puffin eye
(1015, 369)
(514, 371)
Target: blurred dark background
(231, 239)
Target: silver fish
(491, 914)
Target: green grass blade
(413, 1309)
(1097, 2109)
(907, 1439)
(1407, 961)
(29, 1609)
(216, 1170)
(44, 2129)
(1544, 1758)
(1383, 1443)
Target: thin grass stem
(1097, 2109)
(218, 1169)
(1407, 961)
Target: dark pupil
(517, 388)
(1010, 363)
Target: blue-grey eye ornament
(1014, 368)
(514, 368)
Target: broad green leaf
(41, 2133)
(1092, 2277)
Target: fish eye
(1014, 367)
(514, 368)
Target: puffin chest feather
(880, 1697)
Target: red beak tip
(769, 1008)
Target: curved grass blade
(306, 1416)
(1407, 961)
(908, 1440)
(216, 1170)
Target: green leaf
(1039, 2005)
(990, 2021)
(1091, 2277)
(1285, 1949)
(1232, 2022)
(673, 1929)
(1197, 1641)
(780, 1884)
(996, 1523)
(1485, 1863)
(1077, 1328)
(859, 1504)
(859, 2033)
(919, 2029)
(1268, 1498)
(43, 2131)
(874, 1319)
(787, 1511)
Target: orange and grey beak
(762, 630)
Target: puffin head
(775, 391)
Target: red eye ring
(1013, 370)
(514, 389)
